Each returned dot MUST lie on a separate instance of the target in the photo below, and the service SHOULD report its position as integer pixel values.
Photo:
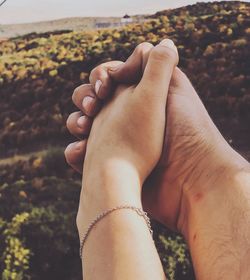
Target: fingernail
(169, 43)
(98, 85)
(72, 145)
(81, 122)
(88, 102)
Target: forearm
(218, 226)
(120, 246)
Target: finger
(104, 76)
(131, 71)
(75, 153)
(181, 81)
(101, 81)
(79, 125)
(159, 70)
(84, 98)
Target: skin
(191, 182)
(117, 162)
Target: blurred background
(47, 48)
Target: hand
(120, 139)
(194, 151)
(122, 151)
(200, 186)
(120, 131)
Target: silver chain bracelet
(139, 211)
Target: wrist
(217, 225)
(109, 184)
(215, 195)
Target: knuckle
(73, 97)
(75, 93)
(81, 91)
(68, 121)
(164, 53)
(67, 154)
(143, 47)
(71, 118)
(95, 73)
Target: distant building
(114, 23)
(103, 25)
(126, 19)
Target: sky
(21, 11)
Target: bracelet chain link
(139, 211)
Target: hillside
(71, 24)
(39, 72)
(39, 193)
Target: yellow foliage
(53, 73)
(117, 35)
(37, 162)
(229, 31)
(209, 50)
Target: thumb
(159, 70)
(131, 71)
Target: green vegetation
(39, 196)
(38, 237)
(39, 72)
